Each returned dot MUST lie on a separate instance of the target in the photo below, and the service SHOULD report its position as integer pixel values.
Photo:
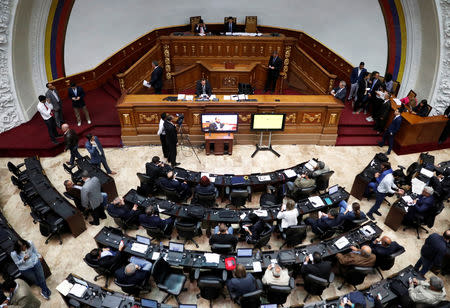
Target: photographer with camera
(171, 139)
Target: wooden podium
(219, 140)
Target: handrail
(329, 75)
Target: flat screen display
(219, 122)
(178, 247)
(244, 252)
(268, 121)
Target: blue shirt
(19, 259)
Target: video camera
(180, 118)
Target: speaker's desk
(310, 119)
(219, 140)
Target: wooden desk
(219, 140)
(310, 119)
(394, 217)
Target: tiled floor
(68, 258)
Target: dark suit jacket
(96, 152)
(197, 29)
(121, 211)
(80, 92)
(223, 239)
(241, 286)
(154, 171)
(434, 249)
(205, 190)
(152, 221)
(137, 279)
(354, 75)
(278, 65)
(380, 250)
(227, 27)
(325, 223)
(322, 269)
(199, 91)
(156, 79)
(340, 95)
(173, 184)
(395, 125)
(171, 134)
(71, 139)
(375, 87)
(76, 195)
(361, 89)
(110, 262)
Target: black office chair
(133, 289)
(52, 225)
(74, 303)
(188, 229)
(293, 235)
(206, 200)
(385, 263)
(35, 203)
(251, 299)
(238, 196)
(323, 181)
(279, 294)
(264, 237)
(351, 224)
(324, 234)
(425, 219)
(156, 233)
(210, 285)
(22, 176)
(124, 223)
(172, 194)
(147, 185)
(101, 271)
(315, 285)
(223, 249)
(26, 187)
(302, 193)
(168, 279)
(355, 275)
(75, 176)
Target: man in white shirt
(54, 99)
(275, 275)
(162, 135)
(46, 111)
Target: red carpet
(32, 138)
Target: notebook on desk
(176, 251)
(111, 301)
(237, 180)
(335, 194)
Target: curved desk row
(111, 237)
(50, 195)
(8, 236)
(217, 215)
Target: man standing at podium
(203, 88)
(230, 26)
(156, 79)
(273, 71)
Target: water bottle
(161, 246)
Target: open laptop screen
(187, 306)
(143, 240)
(178, 247)
(244, 252)
(333, 189)
(149, 303)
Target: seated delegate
(325, 222)
(151, 219)
(352, 214)
(242, 282)
(429, 293)
(137, 272)
(301, 182)
(357, 257)
(119, 209)
(320, 169)
(422, 206)
(223, 235)
(384, 247)
(421, 109)
(171, 183)
(254, 229)
(202, 88)
(105, 257)
(288, 215)
(275, 275)
(155, 169)
(316, 266)
(205, 187)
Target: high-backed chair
(251, 299)
(355, 275)
(101, 271)
(278, 294)
(168, 279)
(133, 289)
(225, 19)
(323, 180)
(293, 235)
(251, 23)
(156, 233)
(303, 193)
(206, 200)
(223, 249)
(26, 187)
(147, 186)
(210, 285)
(172, 194)
(264, 238)
(21, 175)
(384, 263)
(52, 225)
(194, 20)
(425, 219)
(238, 196)
(188, 229)
(315, 285)
(351, 224)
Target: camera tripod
(185, 141)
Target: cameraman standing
(171, 140)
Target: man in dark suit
(171, 140)
(71, 141)
(356, 75)
(422, 206)
(318, 268)
(98, 157)
(155, 169)
(391, 131)
(273, 71)
(325, 222)
(119, 209)
(156, 79)
(216, 125)
(200, 28)
(446, 130)
(53, 97)
(230, 25)
(77, 95)
(340, 91)
(75, 192)
(384, 247)
(432, 252)
(203, 88)
(181, 188)
(133, 274)
(223, 236)
(361, 96)
(105, 257)
(375, 84)
(151, 219)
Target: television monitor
(219, 122)
(174, 246)
(268, 121)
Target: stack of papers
(263, 178)
(257, 266)
(64, 287)
(243, 215)
(290, 173)
(234, 97)
(189, 97)
(368, 231)
(397, 101)
(242, 96)
(417, 186)
(408, 199)
(342, 242)
(426, 172)
(138, 247)
(260, 213)
(212, 257)
(78, 290)
(155, 255)
(181, 97)
(227, 98)
(316, 201)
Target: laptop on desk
(175, 253)
(237, 180)
(245, 256)
(142, 240)
(335, 194)
(149, 303)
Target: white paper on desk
(78, 290)
(243, 215)
(290, 173)
(189, 97)
(234, 97)
(368, 230)
(145, 83)
(181, 97)
(407, 199)
(241, 96)
(417, 186)
(260, 213)
(257, 266)
(212, 97)
(426, 172)
(397, 101)
(138, 247)
(155, 255)
(342, 242)
(227, 97)
(313, 163)
(263, 178)
(64, 287)
(212, 257)
(316, 201)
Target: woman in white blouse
(288, 215)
